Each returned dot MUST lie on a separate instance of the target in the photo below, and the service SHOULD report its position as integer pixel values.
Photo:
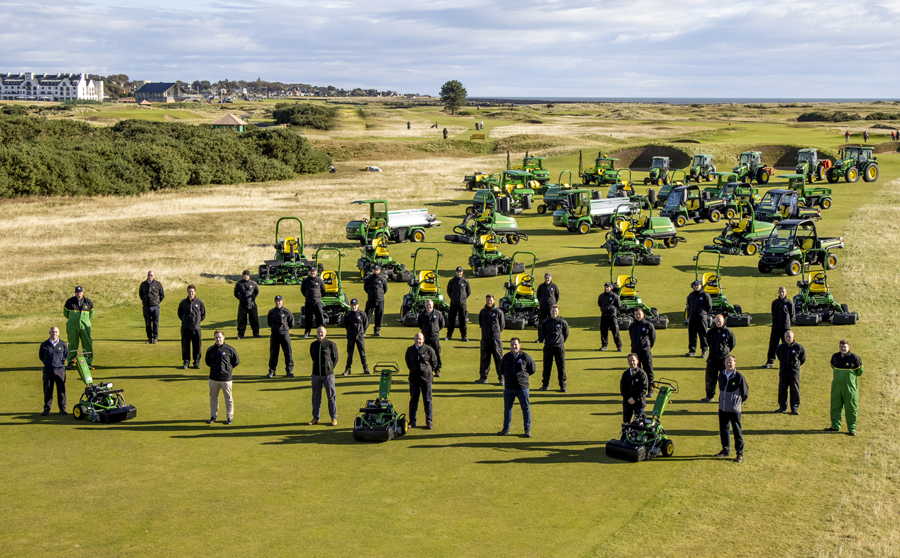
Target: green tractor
(290, 266)
(520, 303)
(815, 303)
(334, 299)
(701, 168)
(743, 237)
(487, 260)
(625, 286)
(377, 253)
(808, 197)
(779, 204)
(853, 161)
(645, 438)
(486, 219)
(659, 171)
(750, 168)
(99, 402)
(424, 285)
(603, 172)
(379, 420)
(712, 285)
(809, 165)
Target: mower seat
(287, 244)
(625, 229)
(524, 285)
(626, 285)
(375, 224)
(817, 283)
(742, 226)
(807, 244)
(489, 247)
(485, 215)
(711, 284)
(330, 279)
(786, 212)
(427, 282)
(380, 250)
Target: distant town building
(49, 87)
(160, 93)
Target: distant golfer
(151, 293)
(375, 286)
(421, 361)
(847, 368)
(312, 288)
(280, 321)
(517, 367)
(221, 359)
(634, 387)
(191, 311)
(53, 353)
(79, 310)
(246, 290)
(324, 354)
(791, 356)
(733, 391)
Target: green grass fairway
(167, 484)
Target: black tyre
(418, 235)
(825, 203)
(402, 426)
(831, 261)
(646, 182)
(762, 176)
(833, 175)
(585, 179)
(751, 249)
(714, 216)
(513, 239)
(845, 309)
(470, 210)
(870, 173)
(541, 209)
(852, 175)
(680, 221)
(819, 174)
(667, 449)
(763, 268)
(78, 412)
(729, 213)
(793, 268)
(584, 227)
(698, 220)
(671, 242)
(648, 243)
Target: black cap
(246, 272)
(354, 301)
(278, 297)
(459, 268)
(696, 283)
(79, 290)
(378, 267)
(607, 284)
(547, 275)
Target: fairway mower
(520, 303)
(623, 245)
(712, 285)
(750, 168)
(485, 221)
(424, 285)
(379, 420)
(377, 253)
(815, 303)
(854, 160)
(334, 299)
(701, 167)
(625, 286)
(290, 266)
(743, 237)
(659, 171)
(644, 437)
(488, 261)
(100, 402)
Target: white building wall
(49, 87)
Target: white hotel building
(49, 87)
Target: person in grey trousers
(733, 391)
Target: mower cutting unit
(290, 266)
(778, 204)
(486, 220)
(808, 197)
(743, 237)
(379, 420)
(334, 299)
(398, 226)
(487, 260)
(377, 253)
(100, 402)
(712, 285)
(626, 287)
(520, 303)
(809, 165)
(424, 285)
(659, 171)
(815, 304)
(853, 161)
(701, 168)
(644, 437)
(795, 246)
(750, 168)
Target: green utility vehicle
(519, 303)
(334, 299)
(290, 266)
(815, 303)
(379, 420)
(712, 285)
(377, 253)
(779, 204)
(750, 168)
(739, 198)
(808, 197)
(603, 172)
(809, 165)
(644, 437)
(853, 161)
(795, 246)
(424, 285)
(487, 260)
(474, 181)
(584, 210)
(701, 168)
(625, 286)
(743, 237)
(659, 171)
(398, 226)
(486, 220)
(688, 202)
(99, 402)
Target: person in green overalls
(844, 388)
(79, 310)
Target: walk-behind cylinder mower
(712, 285)
(488, 261)
(290, 266)
(379, 420)
(626, 287)
(815, 304)
(520, 303)
(424, 285)
(743, 237)
(645, 438)
(334, 299)
(377, 253)
(100, 402)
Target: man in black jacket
(634, 387)
(324, 354)
(221, 359)
(356, 322)
(375, 286)
(420, 360)
(492, 322)
(53, 353)
(555, 331)
(312, 288)
(246, 290)
(280, 321)
(547, 295)
(721, 342)
(517, 367)
(791, 356)
(609, 309)
(699, 305)
(782, 316)
(431, 322)
(151, 293)
(459, 290)
(733, 391)
(191, 312)
(643, 337)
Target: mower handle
(666, 382)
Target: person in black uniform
(643, 337)
(375, 286)
(609, 310)
(547, 295)
(420, 360)
(782, 316)
(324, 354)
(431, 322)
(280, 321)
(221, 359)
(634, 387)
(699, 305)
(246, 290)
(53, 353)
(791, 356)
(191, 312)
(356, 322)
(555, 331)
(151, 293)
(517, 368)
(312, 288)
(459, 290)
(721, 342)
(733, 391)
(492, 322)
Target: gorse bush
(883, 116)
(822, 116)
(40, 157)
(304, 114)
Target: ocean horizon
(676, 100)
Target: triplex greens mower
(334, 299)
(626, 287)
(424, 285)
(290, 266)
(645, 438)
(379, 420)
(520, 303)
(100, 402)
(815, 303)
(712, 285)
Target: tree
(453, 95)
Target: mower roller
(290, 266)
(379, 420)
(520, 303)
(712, 285)
(815, 303)
(626, 287)
(100, 402)
(645, 438)
(424, 285)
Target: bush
(883, 116)
(304, 114)
(821, 116)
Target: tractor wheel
(78, 412)
(667, 448)
(762, 176)
(763, 268)
(751, 249)
(646, 182)
(584, 228)
(793, 268)
(671, 242)
(819, 174)
(585, 179)
(541, 209)
(870, 173)
(512, 239)
(729, 213)
(680, 221)
(852, 175)
(833, 175)
(648, 243)
(714, 216)
(831, 261)
(418, 236)
(825, 203)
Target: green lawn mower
(520, 303)
(712, 285)
(290, 266)
(484, 221)
(623, 245)
(334, 299)
(488, 261)
(100, 402)
(853, 161)
(424, 285)
(659, 171)
(815, 303)
(645, 438)
(377, 253)
(626, 287)
(742, 237)
(379, 420)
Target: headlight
(109, 385)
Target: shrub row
(304, 114)
(822, 116)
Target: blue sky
(572, 48)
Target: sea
(672, 100)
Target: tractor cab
(858, 154)
(808, 156)
(659, 163)
(749, 158)
(701, 160)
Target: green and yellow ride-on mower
(486, 220)
(377, 253)
(626, 287)
(644, 437)
(555, 195)
(711, 282)
(334, 299)
(750, 168)
(854, 161)
(743, 235)
(701, 168)
(379, 420)
(474, 181)
(488, 261)
(520, 303)
(290, 266)
(424, 285)
(815, 303)
(624, 244)
(99, 402)
(659, 171)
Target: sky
(508, 48)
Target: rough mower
(488, 220)
(815, 303)
(644, 437)
(377, 253)
(424, 285)
(701, 168)
(379, 420)
(626, 287)
(487, 260)
(520, 303)
(853, 161)
(334, 299)
(100, 402)
(743, 237)
(659, 171)
(290, 266)
(712, 285)
(750, 168)
(623, 245)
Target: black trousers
(776, 337)
(557, 354)
(317, 311)
(607, 324)
(419, 388)
(151, 321)
(645, 361)
(376, 307)
(697, 328)
(629, 410)
(456, 313)
(356, 343)
(280, 342)
(243, 314)
(713, 367)
(57, 379)
(490, 349)
(190, 345)
(732, 419)
(543, 314)
(436, 345)
(789, 384)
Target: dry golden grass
(574, 128)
